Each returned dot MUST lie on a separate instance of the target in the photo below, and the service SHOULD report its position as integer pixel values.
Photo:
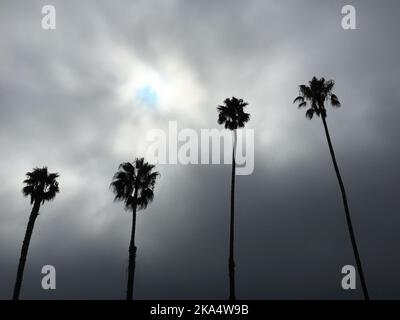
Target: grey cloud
(59, 106)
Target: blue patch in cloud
(147, 95)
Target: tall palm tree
(317, 93)
(231, 114)
(133, 184)
(40, 186)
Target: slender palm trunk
(232, 295)
(346, 209)
(132, 254)
(25, 247)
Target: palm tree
(232, 116)
(133, 184)
(316, 94)
(40, 186)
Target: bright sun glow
(145, 87)
(143, 91)
(147, 96)
(163, 87)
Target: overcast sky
(71, 99)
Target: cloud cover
(67, 101)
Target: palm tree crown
(232, 114)
(41, 185)
(316, 93)
(136, 178)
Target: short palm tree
(232, 115)
(40, 186)
(134, 184)
(314, 96)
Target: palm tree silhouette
(40, 186)
(232, 116)
(316, 94)
(133, 184)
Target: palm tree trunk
(25, 247)
(232, 295)
(346, 209)
(132, 254)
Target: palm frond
(299, 99)
(335, 101)
(316, 93)
(136, 179)
(310, 113)
(41, 185)
(231, 114)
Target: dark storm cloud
(61, 106)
